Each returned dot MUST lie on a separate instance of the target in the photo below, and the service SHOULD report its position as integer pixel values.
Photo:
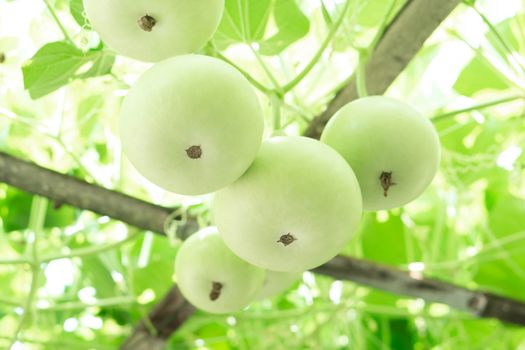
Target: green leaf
(292, 25)
(76, 8)
(504, 271)
(479, 75)
(57, 63)
(154, 262)
(326, 14)
(383, 239)
(51, 68)
(506, 206)
(498, 277)
(14, 208)
(97, 275)
(402, 333)
(510, 32)
(102, 64)
(247, 21)
(372, 13)
(243, 21)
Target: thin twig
(401, 41)
(70, 190)
(59, 24)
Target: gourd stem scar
(287, 239)
(386, 182)
(216, 288)
(146, 23)
(194, 152)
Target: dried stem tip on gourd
(146, 23)
(194, 152)
(287, 239)
(386, 182)
(216, 288)
(2, 57)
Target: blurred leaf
(373, 12)
(14, 209)
(76, 7)
(476, 334)
(498, 277)
(87, 111)
(154, 260)
(57, 63)
(122, 317)
(292, 25)
(383, 240)
(479, 75)
(503, 207)
(60, 215)
(326, 14)
(97, 275)
(247, 21)
(243, 21)
(402, 333)
(102, 64)
(378, 297)
(506, 272)
(510, 32)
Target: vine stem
(276, 110)
(490, 62)
(77, 253)
(364, 54)
(276, 85)
(57, 21)
(483, 105)
(36, 224)
(61, 344)
(361, 74)
(115, 301)
(15, 261)
(294, 82)
(40, 129)
(498, 36)
(255, 83)
(382, 27)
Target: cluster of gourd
(192, 124)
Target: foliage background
(92, 278)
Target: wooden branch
(66, 189)
(477, 303)
(401, 41)
(69, 190)
(167, 316)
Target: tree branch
(167, 316)
(401, 41)
(69, 190)
(477, 303)
(173, 310)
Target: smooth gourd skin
(276, 282)
(204, 259)
(188, 101)
(297, 187)
(378, 134)
(181, 26)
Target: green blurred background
(97, 278)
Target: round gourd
(152, 30)
(276, 282)
(393, 149)
(293, 209)
(191, 124)
(212, 278)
